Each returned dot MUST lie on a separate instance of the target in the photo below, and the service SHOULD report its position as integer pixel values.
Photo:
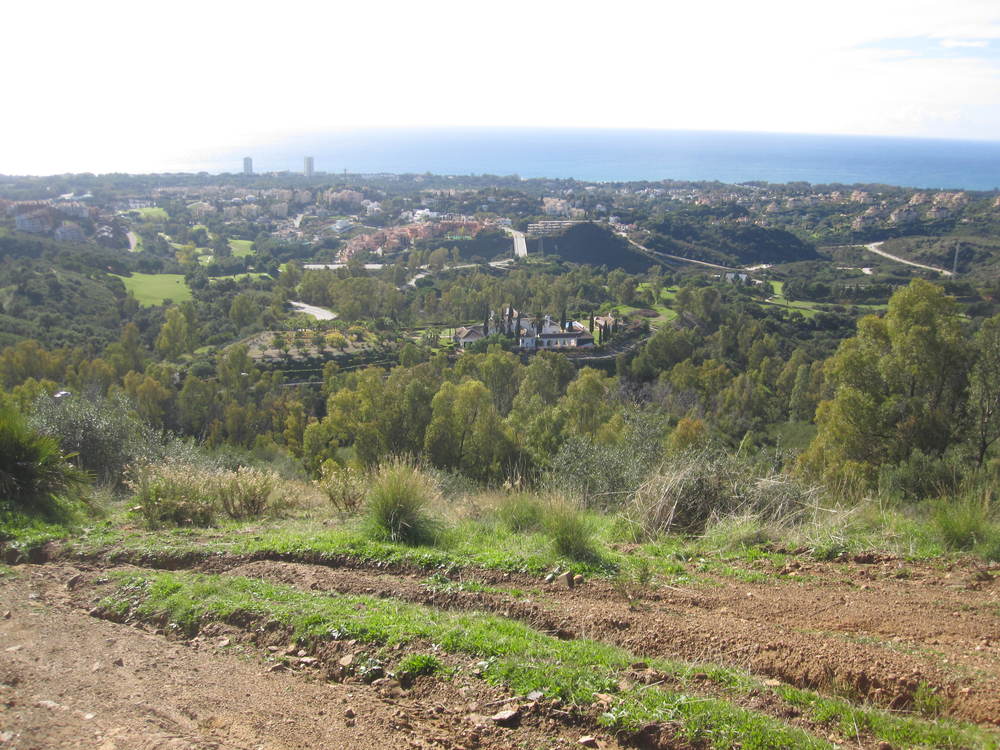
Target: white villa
(533, 334)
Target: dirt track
(872, 631)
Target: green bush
(920, 477)
(103, 434)
(33, 471)
(521, 512)
(571, 531)
(397, 506)
(967, 521)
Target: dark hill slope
(595, 245)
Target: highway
(520, 246)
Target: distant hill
(595, 245)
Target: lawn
(153, 213)
(241, 248)
(153, 288)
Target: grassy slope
(241, 248)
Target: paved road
(317, 312)
(520, 246)
(875, 247)
(676, 257)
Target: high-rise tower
(307, 168)
(247, 165)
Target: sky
(133, 86)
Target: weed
(571, 531)
(418, 665)
(927, 701)
(521, 512)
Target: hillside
(61, 295)
(728, 245)
(596, 245)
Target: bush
(174, 495)
(246, 492)
(33, 471)
(920, 477)
(967, 521)
(343, 487)
(103, 434)
(571, 531)
(521, 512)
(397, 505)
(696, 489)
(185, 494)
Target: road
(500, 264)
(520, 246)
(675, 257)
(875, 247)
(317, 312)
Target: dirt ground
(873, 630)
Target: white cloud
(951, 43)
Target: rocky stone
(578, 580)
(119, 662)
(550, 577)
(346, 661)
(588, 741)
(506, 718)
(6, 615)
(349, 713)
(535, 695)
(74, 580)
(566, 579)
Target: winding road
(875, 247)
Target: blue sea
(623, 155)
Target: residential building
(307, 168)
(247, 165)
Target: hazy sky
(139, 86)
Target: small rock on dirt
(578, 580)
(588, 741)
(346, 661)
(349, 713)
(506, 718)
(566, 579)
(535, 695)
(119, 662)
(74, 580)
(550, 577)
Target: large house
(532, 334)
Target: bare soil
(872, 629)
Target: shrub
(571, 531)
(103, 434)
(174, 495)
(33, 471)
(246, 492)
(186, 494)
(397, 505)
(696, 489)
(343, 487)
(521, 512)
(921, 476)
(966, 521)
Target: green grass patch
(153, 288)
(153, 213)
(241, 248)
(522, 660)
